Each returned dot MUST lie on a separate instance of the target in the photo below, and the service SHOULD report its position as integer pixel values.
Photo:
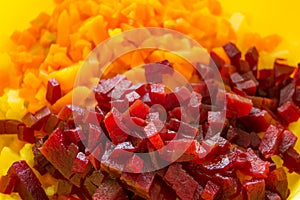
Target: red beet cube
(106, 85)
(175, 176)
(132, 97)
(216, 120)
(139, 109)
(291, 160)
(216, 60)
(282, 71)
(252, 57)
(258, 168)
(153, 135)
(29, 120)
(135, 164)
(238, 104)
(289, 112)
(239, 137)
(243, 66)
(51, 124)
(261, 118)
(288, 141)
(120, 90)
(74, 135)
(60, 156)
(27, 184)
(7, 184)
(210, 191)
(26, 134)
(236, 78)
(233, 53)
(110, 190)
(93, 117)
(255, 189)
(270, 141)
(71, 112)
(287, 93)
(157, 94)
(117, 130)
(229, 185)
(248, 86)
(277, 182)
(80, 163)
(53, 91)
(255, 140)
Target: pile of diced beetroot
(227, 150)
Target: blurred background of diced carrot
(261, 23)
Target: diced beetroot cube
(60, 156)
(225, 72)
(272, 196)
(132, 97)
(258, 168)
(139, 109)
(219, 164)
(229, 185)
(255, 140)
(288, 141)
(236, 78)
(261, 118)
(282, 71)
(240, 137)
(105, 86)
(116, 129)
(200, 88)
(291, 160)
(270, 142)
(181, 150)
(239, 91)
(140, 122)
(216, 60)
(80, 163)
(289, 112)
(27, 184)
(41, 115)
(243, 66)
(51, 123)
(71, 111)
(248, 86)
(157, 94)
(64, 187)
(120, 89)
(144, 182)
(135, 164)
(233, 53)
(29, 120)
(287, 93)
(252, 57)
(183, 129)
(26, 134)
(53, 91)
(277, 182)
(210, 191)
(216, 120)
(139, 88)
(175, 176)
(74, 135)
(93, 117)
(109, 190)
(255, 189)
(297, 95)
(169, 135)
(94, 134)
(238, 104)
(153, 135)
(7, 184)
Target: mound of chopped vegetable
(79, 153)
